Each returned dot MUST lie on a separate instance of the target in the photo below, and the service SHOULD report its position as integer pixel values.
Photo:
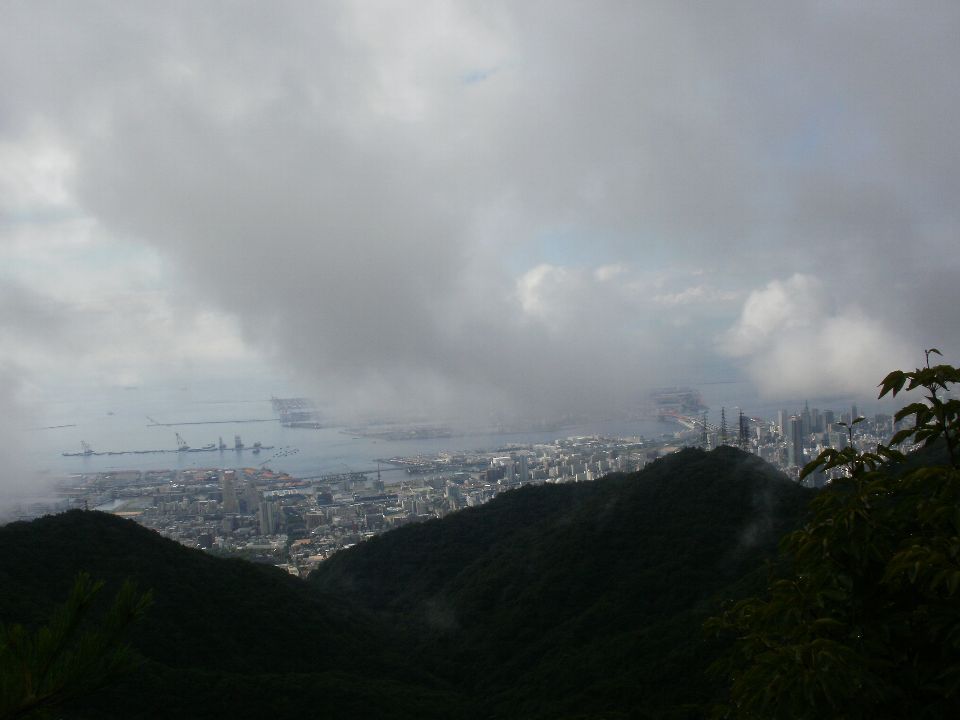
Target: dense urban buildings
(270, 516)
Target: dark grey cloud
(410, 205)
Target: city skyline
(461, 209)
(263, 512)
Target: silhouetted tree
(71, 656)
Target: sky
(455, 208)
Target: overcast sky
(435, 206)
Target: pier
(154, 423)
(182, 448)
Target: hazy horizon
(455, 208)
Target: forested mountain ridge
(223, 637)
(581, 600)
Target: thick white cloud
(450, 204)
(796, 340)
(35, 174)
(782, 307)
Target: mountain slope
(580, 598)
(554, 601)
(221, 632)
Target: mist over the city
(471, 359)
(476, 210)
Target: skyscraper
(230, 502)
(268, 518)
(796, 442)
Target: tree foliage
(222, 638)
(70, 657)
(863, 621)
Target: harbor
(87, 451)
(119, 438)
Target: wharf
(180, 451)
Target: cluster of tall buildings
(798, 428)
(795, 438)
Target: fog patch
(21, 487)
(443, 209)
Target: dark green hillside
(221, 633)
(554, 601)
(584, 599)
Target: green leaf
(862, 615)
(893, 382)
(911, 409)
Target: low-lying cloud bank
(796, 340)
(459, 208)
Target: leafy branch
(935, 418)
(865, 622)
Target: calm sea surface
(118, 421)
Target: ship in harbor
(183, 447)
